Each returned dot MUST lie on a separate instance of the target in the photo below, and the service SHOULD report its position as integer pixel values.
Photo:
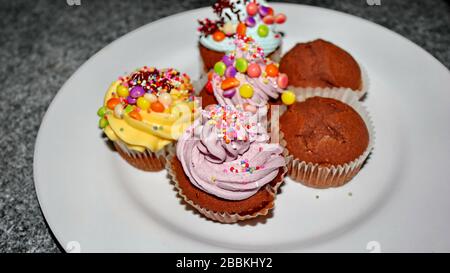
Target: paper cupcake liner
(359, 93)
(146, 160)
(314, 175)
(224, 217)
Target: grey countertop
(43, 42)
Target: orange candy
(218, 36)
(112, 102)
(135, 114)
(241, 29)
(272, 70)
(210, 75)
(157, 107)
(229, 83)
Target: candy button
(165, 99)
(288, 97)
(150, 97)
(103, 122)
(101, 111)
(135, 115)
(252, 9)
(230, 72)
(249, 108)
(209, 88)
(280, 18)
(272, 70)
(241, 29)
(250, 21)
(246, 91)
(241, 65)
(268, 19)
(218, 36)
(229, 83)
(229, 93)
(219, 68)
(263, 10)
(118, 111)
(131, 100)
(282, 80)
(227, 60)
(157, 107)
(143, 103)
(263, 31)
(112, 102)
(122, 91)
(137, 91)
(228, 28)
(253, 70)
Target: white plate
(399, 200)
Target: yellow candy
(288, 97)
(122, 91)
(143, 103)
(246, 91)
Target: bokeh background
(42, 43)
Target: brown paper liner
(315, 175)
(147, 160)
(224, 217)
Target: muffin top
(324, 131)
(148, 109)
(241, 18)
(321, 64)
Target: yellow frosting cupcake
(145, 112)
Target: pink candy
(249, 108)
(282, 80)
(253, 70)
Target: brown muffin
(207, 98)
(262, 200)
(211, 57)
(321, 64)
(327, 132)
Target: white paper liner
(224, 217)
(314, 175)
(146, 160)
(365, 84)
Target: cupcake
(331, 138)
(245, 77)
(321, 64)
(224, 166)
(145, 112)
(239, 18)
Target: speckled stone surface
(43, 42)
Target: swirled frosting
(230, 14)
(263, 86)
(227, 155)
(152, 115)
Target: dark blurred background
(43, 42)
